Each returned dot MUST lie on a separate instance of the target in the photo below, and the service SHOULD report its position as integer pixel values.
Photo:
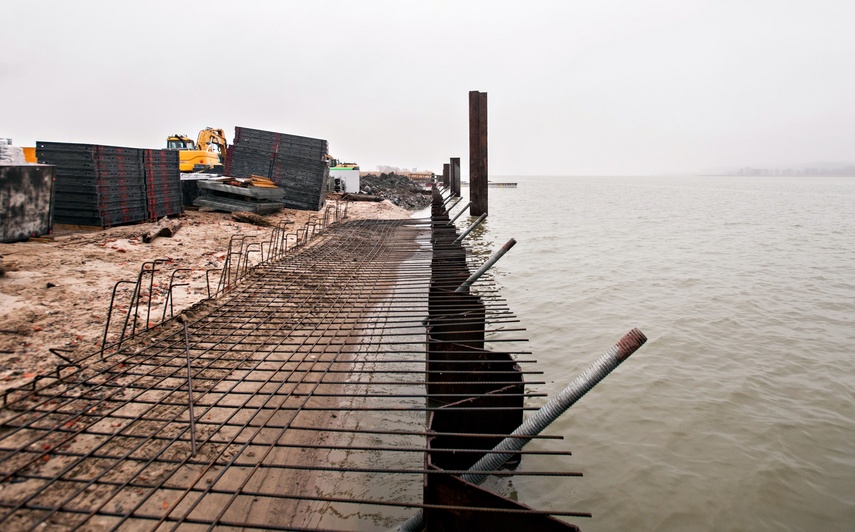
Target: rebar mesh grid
(308, 400)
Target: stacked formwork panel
(162, 183)
(296, 164)
(488, 389)
(103, 186)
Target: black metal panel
(163, 183)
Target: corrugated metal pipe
(556, 406)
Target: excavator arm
(210, 137)
(205, 155)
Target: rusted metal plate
(455, 370)
(26, 201)
(458, 426)
(474, 508)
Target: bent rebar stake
(548, 413)
(190, 391)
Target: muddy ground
(56, 291)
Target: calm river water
(739, 412)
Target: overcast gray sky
(574, 87)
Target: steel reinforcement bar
(311, 386)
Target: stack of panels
(162, 183)
(296, 164)
(243, 161)
(105, 186)
(96, 185)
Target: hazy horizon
(607, 88)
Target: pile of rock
(398, 189)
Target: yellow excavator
(335, 164)
(205, 155)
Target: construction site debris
(398, 189)
(251, 218)
(165, 227)
(237, 196)
(259, 181)
(361, 197)
(296, 164)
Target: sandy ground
(56, 291)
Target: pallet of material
(295, 164)
(105, 186)
(231, 198)
(96, 185)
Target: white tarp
(349, 180)
(11, 154)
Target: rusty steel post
(478, 152)
(452, 186)
(189, 390)
(446, 175)
(454, 169)
(482, 141)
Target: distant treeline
(841, 171)
(385, 169)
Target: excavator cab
(180, 142)
(195, 157)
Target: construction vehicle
(207, 154)
(335, 164)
